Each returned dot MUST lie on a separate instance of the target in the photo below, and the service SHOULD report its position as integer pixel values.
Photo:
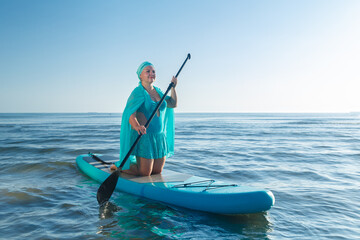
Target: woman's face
(148, 75)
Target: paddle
(108, 186)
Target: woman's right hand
(140, 129)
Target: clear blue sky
(247, 56)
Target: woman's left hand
(174, 80)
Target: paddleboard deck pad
(181, 189)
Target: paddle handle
(187, 58)
(153, 114)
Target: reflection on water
(142, 218)
(108, 209)
(253, 226)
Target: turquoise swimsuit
(153, 144)
(159, 138)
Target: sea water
(311, 162)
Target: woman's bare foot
(113, 167)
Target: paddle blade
(107, 188)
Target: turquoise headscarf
(136, 99)
(141, 68)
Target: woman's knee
(145, 166)
(145, 172)
(158, 165)
(156, 171)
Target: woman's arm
(172, 101)
(136, 125)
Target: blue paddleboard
(184, 190)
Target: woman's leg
(145, 166)
(158, 165)
(133, 170)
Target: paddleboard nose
(271, 195)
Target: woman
(157, 142)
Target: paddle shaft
(153, 114)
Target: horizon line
(187, 112)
